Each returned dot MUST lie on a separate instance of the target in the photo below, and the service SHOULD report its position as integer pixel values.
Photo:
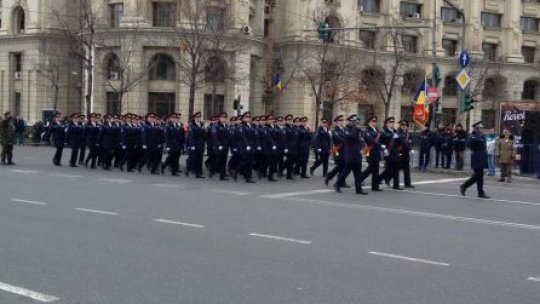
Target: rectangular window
(17, 58)
(266, 29)
(370, 6)
(164, 14)
(449, 116)
(529, 24)
(488, 118)
(450, 47)
(409, 43)
(411, 10)
(528, 53)
(491, 20)
(114, 104)
(117, 13)
(213, 108)
(17, 105)
(215, 18)
(364, 111)
(450, 15)
(490, 51)
(161, 103)
(368, 39)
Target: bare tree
(80, 29)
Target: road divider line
(164, 221)
(18, 200)
(534, 279)
(225, 191)
(279, 238)
(65, 175)
(170, 186)
(474, 198)
(410, 259)
(440, 181)
(40, 297)
(289, 194)
(23, 171)
(115, 180)
(95, 211)
(420, 214)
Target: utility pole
(434, 68)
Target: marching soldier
(304, 145)
(196, 140)
(174, 142)
(109, 137)
(91, 134)
(372, 151)
(322, 147)
(152, 140)
(391, 140)
(220, 137)
(58, 138)
(271, 150)
(289, 135)
(75, 138)
(404, 151)
(248, 144)
(477, 144)
(337, 140)
(352, 154)
(280, 146)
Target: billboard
(512, 116)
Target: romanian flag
(421, 106)
(278, 84)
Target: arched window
(494, 88)
(450, 86)
(333, 22)
(529, 90)
(18, 20)
(215, 69)
(114, 68)
(162, 68)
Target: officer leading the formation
(352, 151)
(477, 144)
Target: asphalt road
(78, 236)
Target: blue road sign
(464, 59)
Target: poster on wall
(512, 116)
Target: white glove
(386, 153)
(274, 147)
(159, 146)
(220, 148)
(319, 150)
(123, 147)
(248, 148)
(144, 147)
(286, 151)
(383, 147)
(168, 149)
(259, 148)
(192, 148)
(235, 150)
(395, 136)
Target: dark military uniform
(405, 148)
(271, 149)
(391, 140)
(338, 139)
(477, 144)
(289, 135)
(58, 136)
(304, 145)
(91, 134)
(352, 154)
(321, 147)
(75, 139)
(220, 137)
(247, 147)
(175, 139)
(109, 138)
(425, 149)
(196, 140)
(373, 150)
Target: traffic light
(235, 104)
(323, 31)
(468, 103)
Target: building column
(242, 65)
(513, 35)
(473, 27)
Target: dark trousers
(478, 178)
(195, 162)
(220, 164)
(92, 155)
(302, 162)
(172, 160)
(373, 170)
(438, 156)
(406, 167)
(340, 165)
(391, 172)
(154, 158)
(460, 159)
(82, 154)
(233, 162)
(246, 165)
(74, 154)
(119, 154)
(321, 159)
(423, 161)
(57, 158)
(289, 165)
(446, 159)
(7, 152)
(107, 155)
(271, 163)
(356, 169)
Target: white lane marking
(440, 181)
(27, 202)
(421, 214)
(65, 175)
(474, 198)
(95, 211)
(164, 221)
(273, 237)
(171, 186)
(289, 194)
(534, 279)
(400, 257)
(115, 180)
(40, 297)
(232, 192)
(23, 171)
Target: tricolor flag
(277, 84)
(421, 106)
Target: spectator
(459, 143)
(37, 131)
(491, 144)
(20, 126)
(7, 139)
(506, 155)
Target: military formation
(244, 146)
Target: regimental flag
(278, 84)
(421, 106)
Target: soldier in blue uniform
(477, 144)
(405, 148)
(175, 138)
(280, 123)
(220, 137)
(247, 146)
(58, 136)
(82, 149)
(196, 141)
(209, 163)
(91, 134)
(289, 135)
(322, 147)
(304, 145)
(152, 140)
(352, 154)
(425, 148)
(109, 137)
(338, 140)
(271, 139)
(75, 138)
(390, 138)
(372, 151)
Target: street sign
(464, 59)
(433, 94)
(463, 79)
